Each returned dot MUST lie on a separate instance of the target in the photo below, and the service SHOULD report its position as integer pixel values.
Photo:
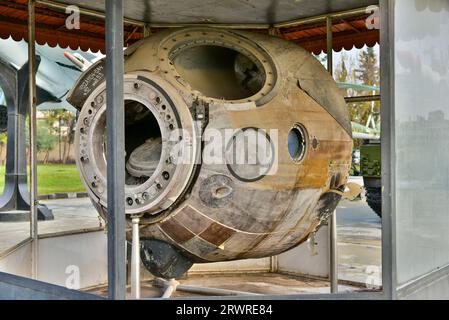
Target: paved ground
(359, 234)
(70, 215)
(255, 283)
(359, 243)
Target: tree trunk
(64, 152)
(66, 159)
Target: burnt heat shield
(237, 144)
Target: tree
(45, 139)
(364, 71)
(368, 73)
(63, 118)
(341, 72)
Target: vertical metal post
(332, 224)
(33, 169)
(388, 141)
(116, 150)
(135, 259)
(329, 38)
(333, 256)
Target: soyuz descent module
(238, 145)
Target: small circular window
(297, 142)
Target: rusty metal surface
(208, 210)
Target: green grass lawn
(53, 178)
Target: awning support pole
(116, 150)
(135, 259)
(33, 166)
(332, 223)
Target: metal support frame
(135, 259)
(333, 253)
(115, 122)
(363, 99)
(33, 142)
(389, 281)
(332, 222)
(116, 223)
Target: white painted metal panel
(60, 259)
(301, 261)
(18, 262)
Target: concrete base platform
(15, 216)
(256, 283)
(70, 215)
(359, 248)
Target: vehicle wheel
(374, 199)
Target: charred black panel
(328, 203)
(164, 260)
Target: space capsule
(238, 145)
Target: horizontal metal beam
(363, 98)
(13, 287)
(240, 26)
(14, 248)
(423, 282)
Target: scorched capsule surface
(235, 144)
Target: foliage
(45, 138)
(56, 119)
(367, 74)
(365, 71)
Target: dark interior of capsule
(141, 127)
(219, 72)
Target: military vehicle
(370, 151)
(370, 166)
(238, 145)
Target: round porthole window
(297, 142)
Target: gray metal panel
(18, 288)
(225, 11)
(429, 287)
(388, 148)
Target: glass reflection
(422, 136)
